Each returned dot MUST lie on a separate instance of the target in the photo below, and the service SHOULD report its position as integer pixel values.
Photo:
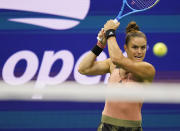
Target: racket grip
(115, 21)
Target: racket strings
(141, 4)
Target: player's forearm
(87, 62)
(115, 52)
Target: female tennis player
(120, 116)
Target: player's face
(136, 48)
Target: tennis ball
(160, 49)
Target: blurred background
(43, 40)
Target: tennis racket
(134, 6)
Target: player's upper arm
(98, 68)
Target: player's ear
(125, 47)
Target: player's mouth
(138, 57)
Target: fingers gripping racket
(134, 6)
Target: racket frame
(120, 16)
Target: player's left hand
(111, 25)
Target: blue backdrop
(28, 36)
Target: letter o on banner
(31, 68)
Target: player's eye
(143, 47)
(135, 47)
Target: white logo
(48, 60)
(111, 33)
(72, 11)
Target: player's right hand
(101, 36)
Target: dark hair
(132, 30)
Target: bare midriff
(122, 110)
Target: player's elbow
(150, 73)
(81, 70)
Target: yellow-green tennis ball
(160, 49)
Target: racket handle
(115, 21)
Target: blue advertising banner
(44, 40)
(38, 40)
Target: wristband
(110, 33)
(97, 50)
